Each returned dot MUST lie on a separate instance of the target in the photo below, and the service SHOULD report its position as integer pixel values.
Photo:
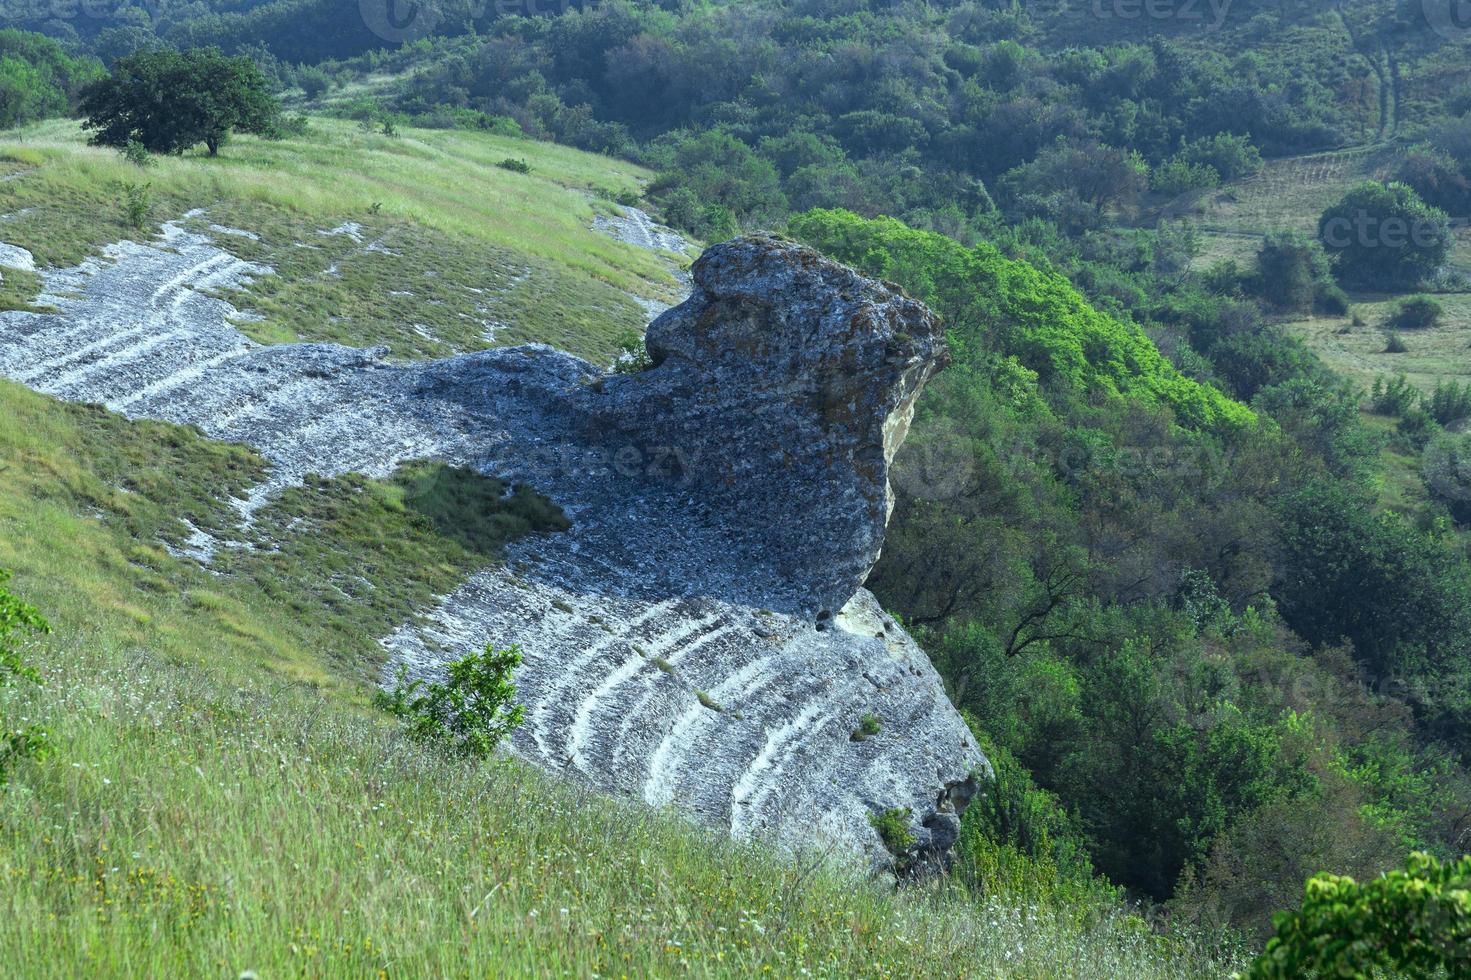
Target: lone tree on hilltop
(172, 100)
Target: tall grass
(192, 822)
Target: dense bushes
(38, 78)
(1416, 313)
(1156, 625)
(1410, 922)
(1034, 316)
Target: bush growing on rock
(893, 829)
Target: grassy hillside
(220, 798)
(220, 795)
(438, 248)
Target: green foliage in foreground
(17, 620)
(1415, 922)
(470, 713)
(1038, 317)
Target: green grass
(1435, 354)
(87, 500)
(460, 245)
(199, 821)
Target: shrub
(468, 715)
(17, 619)
(893, 829)
(1449, 402)
(136, 154)
(1293, 271)
(1394, 344)
(1175, 176)
(1445, 470)
(633, 356)
(515, 166)
(868, 726)
(1331, 300)
(1416, 313)
(1228, 155)
(1394, 397)
(313, 81)
(1416, 426)
(1415, 922)
(137, 202)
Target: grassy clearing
(1435, 354)
(1289, 194)
(454, 254)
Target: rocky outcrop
(782, 389)
(672, 643)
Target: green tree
(1400, 595)
(1384, 237)
(38, 78)
(1293, 270)
(1415, 922)
(714, 168)
(471, 712)
(170, 101)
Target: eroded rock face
(670, 643)
(782, 389)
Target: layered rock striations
(699, 638)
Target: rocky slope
(700, 637)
